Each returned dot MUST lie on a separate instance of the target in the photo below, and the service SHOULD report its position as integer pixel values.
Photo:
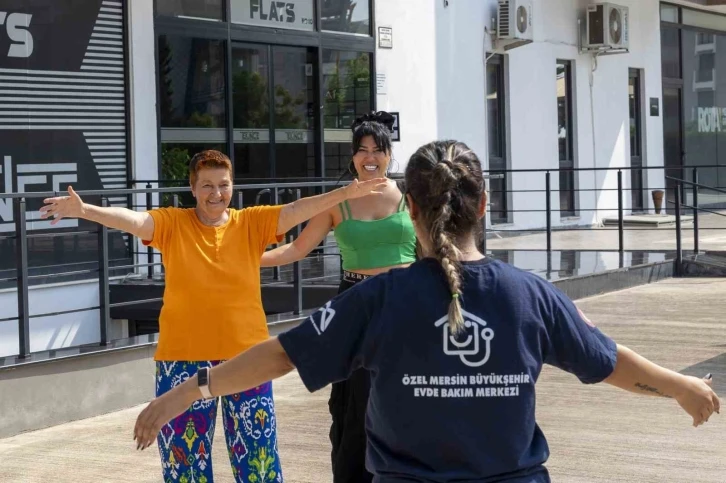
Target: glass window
(251, 107)
(671, 52)
(297, 15)
(496, 139)
(191, 104)
(706, 64)
(565, 138)
(635, 108)
(207, 9)
(698, 18)
(349, 16)
(191, 87)
(705, 39)
(669, 13)
(704, 114)
(347, 95)
(294, 94)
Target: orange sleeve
(263, 225)
(163, 227)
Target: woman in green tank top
(374, 234)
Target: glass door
(673, 141)
(273, 104)
(636, 145)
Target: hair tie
(455, 295)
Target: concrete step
(654, 221)
(708, 264)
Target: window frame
(571, 158)
(232, 33)
(501, 162)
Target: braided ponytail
(445, 180)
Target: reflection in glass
(493, 113)
(670, 51)
(191, 83)
(347, 95)
(349, 16)
(669, 13)
(564, 137)
(294, 112)
(704, 126)
(251, 107)
(498, 210)
(209, 9)
(636, 160)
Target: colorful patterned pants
(185, 443)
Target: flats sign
(286, 14)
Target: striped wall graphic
(91, 100)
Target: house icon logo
(473, 346)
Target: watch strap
(203, 382)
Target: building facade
(120, 93)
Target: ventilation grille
(504, 16)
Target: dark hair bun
(381, 117)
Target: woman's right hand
(698, 399)
(62, 207)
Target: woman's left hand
(160, 411)
(358, 189)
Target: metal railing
(104, 268)
(550, 212)
(679, 205)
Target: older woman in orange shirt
(212, 308)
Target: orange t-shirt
(212, 299)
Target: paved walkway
(596, 433)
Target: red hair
(208, 159)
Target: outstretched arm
(294, 213)
(310, 237)
(72, 206)
(264, 362)
(637, 374)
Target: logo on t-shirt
(326, 314)
(468, 345)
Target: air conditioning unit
(514, 23)
(607, 27)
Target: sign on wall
(63, 97)
(396, 129)
(385, 37)
(289, 14)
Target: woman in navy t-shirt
(454, 344)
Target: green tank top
(367, 244)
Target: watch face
(202, 376)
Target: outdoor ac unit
(607, 27)
(514, 23)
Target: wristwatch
(203, 382)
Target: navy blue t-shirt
(451, 409)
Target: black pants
(348, 402)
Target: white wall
(435, 72)
(410, 71)
(533, 109)
(436, 79)
(56, 331)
